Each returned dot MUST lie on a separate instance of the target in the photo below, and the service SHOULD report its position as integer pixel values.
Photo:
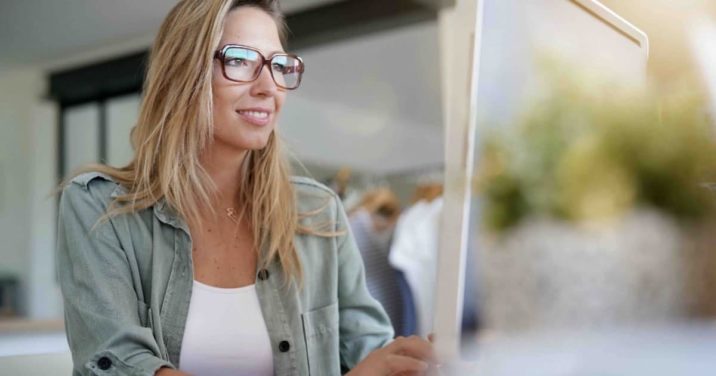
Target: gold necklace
(234, 217)
(231, 213)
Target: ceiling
(38, 31)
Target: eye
(236, 62)
(278, 67)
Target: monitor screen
(518, 36)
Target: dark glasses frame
(221, 56)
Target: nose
(264, 84)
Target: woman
(202, 256)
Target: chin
(258, 147)
(255, 144)
(251, 140)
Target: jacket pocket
(320, 332)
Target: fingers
(405, 365)
(414, 347)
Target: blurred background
(369, 121)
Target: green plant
(587, 153)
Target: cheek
(223, 118)
(225, 99)
(219, 113)
(280, 99)
(222, 106)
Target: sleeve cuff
(106, 363)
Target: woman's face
(245, 113)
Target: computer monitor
(511, 39)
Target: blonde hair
(175, 127)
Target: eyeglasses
(244, 64)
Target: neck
(224, 168)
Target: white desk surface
(657, 351)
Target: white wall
(20, 90)
(44, 298)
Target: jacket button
(263, 274)
(104, 363)
(284, 346)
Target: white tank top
(225, 333)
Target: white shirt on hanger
(415, 252)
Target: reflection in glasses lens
(243, 65)
(286, 70)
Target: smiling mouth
(255, 114)
(255, 117)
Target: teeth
(256, 114)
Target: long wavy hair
(175, 126)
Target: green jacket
(127, 285)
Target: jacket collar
(167, 214)
(161, 210)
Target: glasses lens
(287, 71)
(241, 64)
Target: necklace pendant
(231, 213)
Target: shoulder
(91, 188)
(310, 193)
(318, 205)
(308, 186)
(94, 179)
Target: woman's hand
(404, 356)
(169, 372)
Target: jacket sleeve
(364, 325)
(101, 306)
